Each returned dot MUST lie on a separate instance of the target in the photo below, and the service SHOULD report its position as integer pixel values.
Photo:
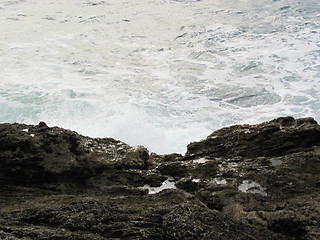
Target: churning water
(160, 73)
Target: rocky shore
(241, 182)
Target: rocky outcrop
(275, 138)
(63, 159)
(167, 215)
(266, 174)
(242, 182)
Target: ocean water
(158, 73)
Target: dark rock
(38, 154)
(275, 138)
(242, 182)
(99, 217)
(267, 175)
(195, 221)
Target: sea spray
(158, 73)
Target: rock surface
(242, 182)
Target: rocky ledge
(242, 182)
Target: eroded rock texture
(242, 182)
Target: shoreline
(257, 180)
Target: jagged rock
(266, 175)
(242, 182)
(194, 221)
(99, 217)
(42, 155)
(275, 138)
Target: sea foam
(158, 73)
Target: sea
(158, 73)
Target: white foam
(158, 73)
(169, 183)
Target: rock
(42, 155)
(100, 217)
(266, 175)
(242, 182)
(194, 221)
(275, 138)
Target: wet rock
(194, 221)
(267, 175)
(38, 154)
(275, 138)
(100, 217)
(242, 182)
